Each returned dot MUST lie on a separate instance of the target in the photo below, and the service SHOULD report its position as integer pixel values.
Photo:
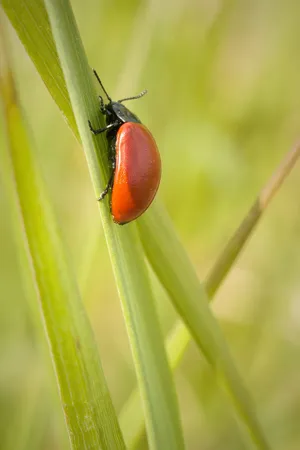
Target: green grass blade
(179, 337)
(243, 232)
(131, 420)
(158, 393)
(89, 413)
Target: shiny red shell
(137, 174)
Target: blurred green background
(224, 107)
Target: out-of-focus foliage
(224, 106)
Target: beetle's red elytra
(135, 160)
(137, 173)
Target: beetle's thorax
(115, 111)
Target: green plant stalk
(179, 337)
(89, 413)
(34, 411)
(131, 420)
(191, 301)
(154, 376)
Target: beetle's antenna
(100, 82)
(135, 97)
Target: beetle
(135, 160)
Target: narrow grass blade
(89, 413)
(243, 232)
(154, 376)
(131, 419)
(179, 337)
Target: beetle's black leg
(102, 107)
(108, 186)
(101, 130)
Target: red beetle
(135, 160)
